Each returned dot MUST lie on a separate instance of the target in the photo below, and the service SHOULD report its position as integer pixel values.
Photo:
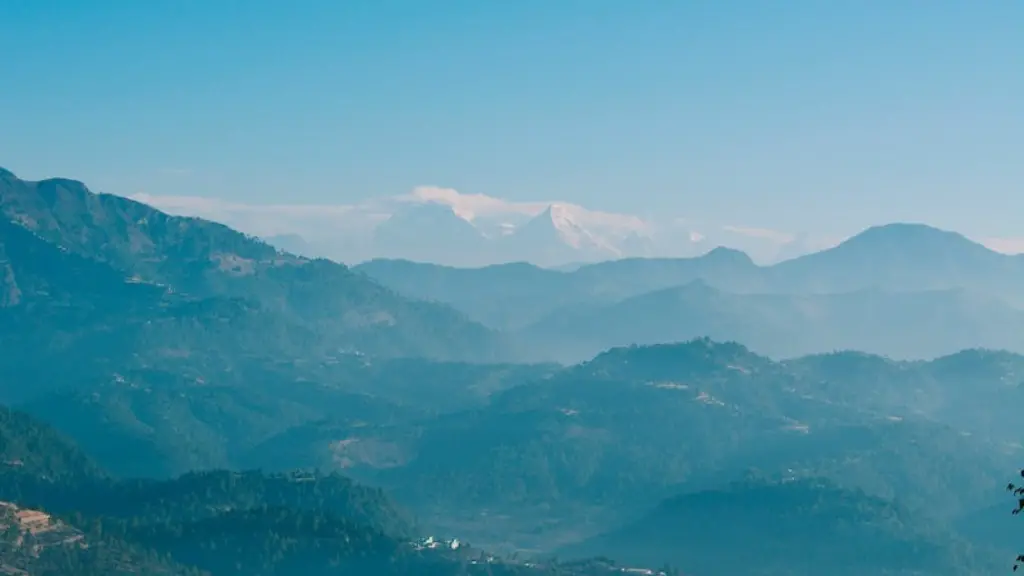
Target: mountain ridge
(205, 259)
(897, 258)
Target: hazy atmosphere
(747, 123)
(528, 288)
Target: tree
(1018, 492)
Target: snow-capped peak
(446, 226)
(564, 220)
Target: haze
(531, 288)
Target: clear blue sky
(799, 115)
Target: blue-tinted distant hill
(906, 325)
(904, 290)
(903, 257)
(893, 258)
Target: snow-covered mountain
(564, 233)
(444, 226)
(430, 233)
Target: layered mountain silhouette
(901, 324)
(907, 290)
(894, 257)
(182, 351)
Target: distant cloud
(777, 236)
(1004, 245)
(197, 205)
(309, 220)
(471, 206)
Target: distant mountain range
(443, 226)
(894, 257)
(906, 290)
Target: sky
(813, 116)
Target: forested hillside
(61, 516)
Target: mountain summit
(902, 257)
(419, 231)
(911, 238)
(554, 236)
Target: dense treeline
(200, 495)
(25, 445)
(24, 550)
(263, 541)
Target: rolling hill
(796, 527)
(602, 440)
(161, 423)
